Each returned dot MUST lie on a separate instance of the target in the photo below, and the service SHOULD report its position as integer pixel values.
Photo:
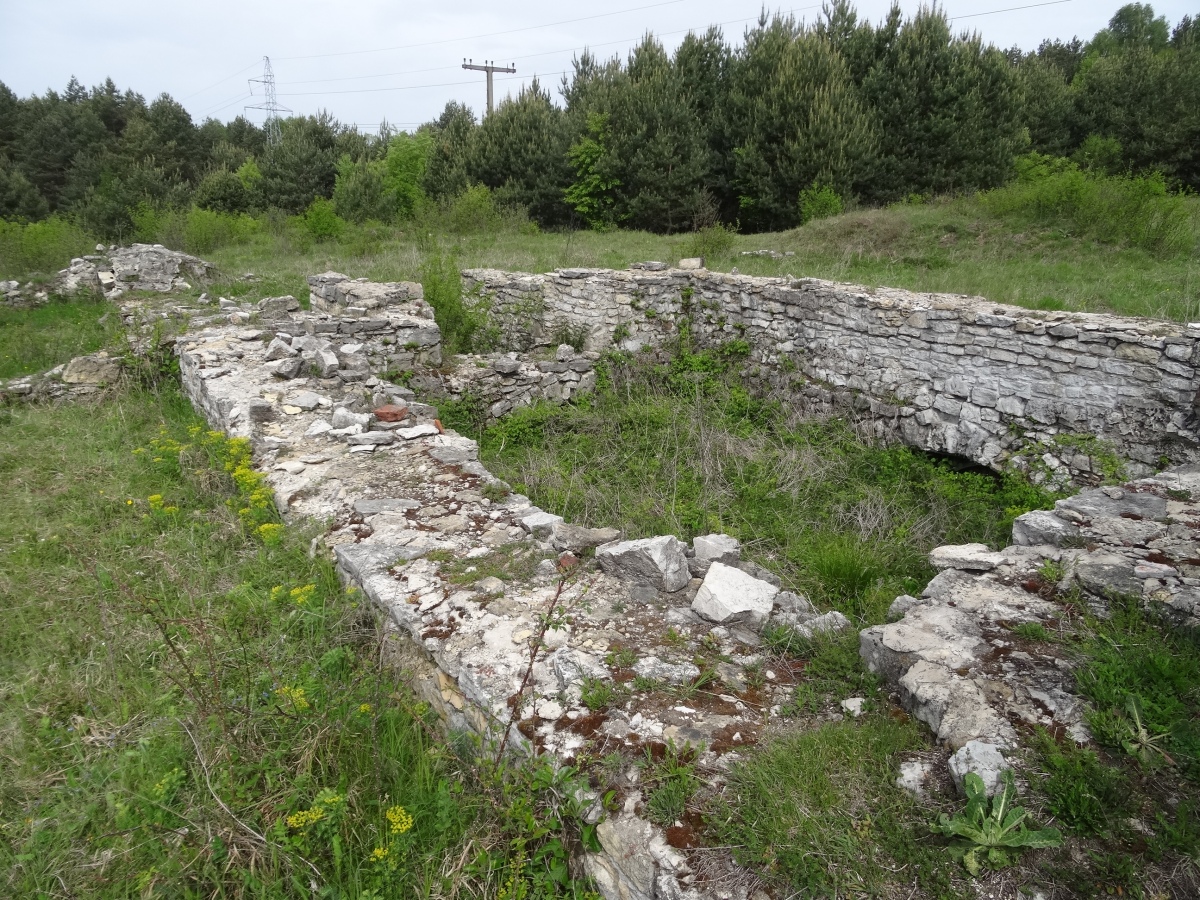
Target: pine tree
(520, 152)
(449, 157)
(949, 109)
(801, 122)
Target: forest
(795, 121)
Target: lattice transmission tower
(270, 103)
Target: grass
(34, 340)
(817, 813)
(191, 706)
(839, 517)
(1007, 252)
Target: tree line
(840, 110)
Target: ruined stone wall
(1000, 385)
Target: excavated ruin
(504, 623)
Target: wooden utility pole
(489, 67)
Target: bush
(45, 246)
(205, 230)
(819, 202)
(462, 325)
(194, 230)
(712, 242)
(322, 222)
(223, 192)
(1120, 209)
(360, 195)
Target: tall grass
(37, 339)
(40, 247)
(838, 516)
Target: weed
(1134, 654)
(993, 835)
(621, 657)
(673, 637)
(818, 814)
(671, 782)
(598, 694)
(1087, 795)
(1033, 631)
(1139, 742)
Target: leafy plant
(992, 836)
(819, 202)
(1142, 744)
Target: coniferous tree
(446, 170)
(520, 153)
(950, 110)
(802, 122)
(1048, 108)
(303, 166)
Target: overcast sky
(370, 60)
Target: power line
(1010, 9)
(407, 87)
(222, 81)
(244, 95)
(490, 34)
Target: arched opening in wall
(956, 463)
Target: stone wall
(1000, 385)
(503, 382)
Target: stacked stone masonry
(956, 656)
(997, 384)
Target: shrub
(45, 246)
(322, 222)
(223, 192)
(1129, 209)
(712, 242)
(205, 230)
(819, 202)
(462, 325)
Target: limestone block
(969, 557)
(669, 673)
(278, 306)
(1043, 527)
(717, 548)
(371, 438)
(577, 538)
(728, 595)
(982, 758)
(539, 523)
(913, 777)
(344, 418)
(99, 368)
(659, 562)
(278, 349)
